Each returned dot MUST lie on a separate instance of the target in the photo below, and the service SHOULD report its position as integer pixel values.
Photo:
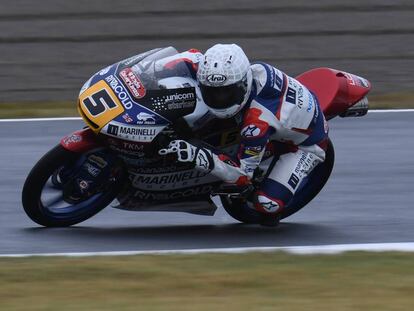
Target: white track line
(390, 110)
(41, 119)
(300, 250)
(78, 118)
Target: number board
(100, 104)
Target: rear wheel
(316, 181)
(43, 198)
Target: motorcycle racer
(277, 112)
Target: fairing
(130, 100)
(336, 90)
(81, 141)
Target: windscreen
(154, 69)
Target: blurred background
(48, 48)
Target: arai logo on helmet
(216, 78)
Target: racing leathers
(281, 114)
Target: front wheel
(316, 181)
(43, 191)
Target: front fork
(92, 169)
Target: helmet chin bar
(233, 110)
(226, 113)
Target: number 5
(99, 102)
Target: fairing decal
(80, 141)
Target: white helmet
(225, 79)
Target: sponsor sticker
(131, 60)
(305, 164)
(172, 180)
(159, 169)
(293, 181)
(291, 96)
(349, 77)
(310, 103)
(133, 133)
(276, 79)
(181, 105)
(104, 71)
(92, 170)
(74, 138)
(120, 91)
(133, 83)
(216, 79)
(171, 195)
(127, 118)
(253, 151)
(132, 146)
(128, 152)
(362, 82)
(83, 185)
(145, 118)
(202, 161)
(250, 131)
(269, 206)
(174, 101)
(136, 58)
(300, 97)
(356, 80)
(97, 160)
(279, 80)
(112, 130)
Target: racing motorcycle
(137, 106)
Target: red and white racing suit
(281, 112)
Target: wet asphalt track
(369, 198)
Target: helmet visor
(224, 96)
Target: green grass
(68, 109)
(37, 110)
(256, 281)
(392, 101)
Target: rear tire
(37, 179)
(236, 207)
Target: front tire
(42, 174)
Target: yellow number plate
(100, 105)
